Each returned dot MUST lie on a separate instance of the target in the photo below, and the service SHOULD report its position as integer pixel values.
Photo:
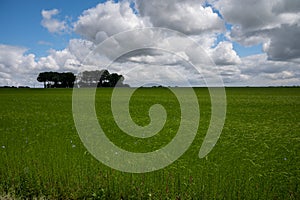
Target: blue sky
(253, 44)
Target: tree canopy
(56, 79)
(98, 78)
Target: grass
(256, 157)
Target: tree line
(97, 78)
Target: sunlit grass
(256, 157)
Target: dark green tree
(100, 78)
(43, 78)
(56, 79)
(68, 79)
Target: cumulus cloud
(13, 57)
(50, 23)
(68, 59)
(188, 17)
(274, 23)
(15, 65)
(224, 54)
(107, 19)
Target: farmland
(256, 157)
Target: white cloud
(80, 48)
(107, 19)
(50, 23)
(15, 66)
(206, 41)
(68, 59)
(224, 54)
(13, 57)
(188, 17)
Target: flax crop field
(256, 157)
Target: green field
(256, 157)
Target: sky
(250, 42)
